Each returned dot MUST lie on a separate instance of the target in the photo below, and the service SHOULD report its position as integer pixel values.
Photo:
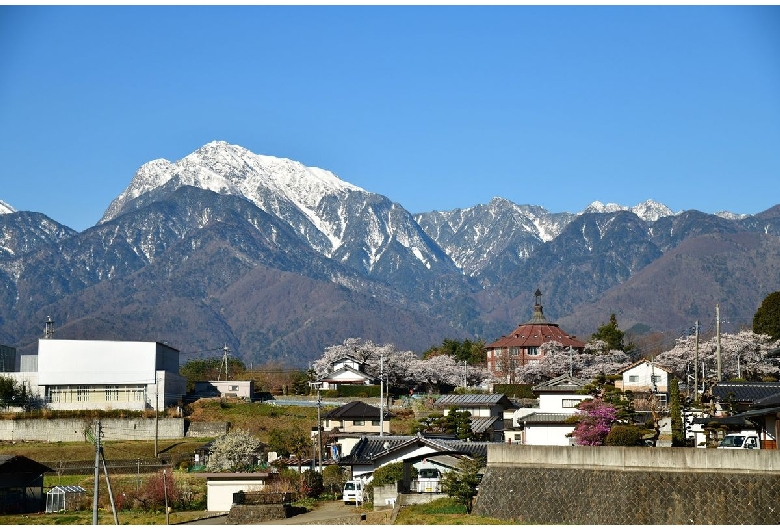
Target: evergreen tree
(612, 336)
(461, 484)
(675, 411)
(767, 319)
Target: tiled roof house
(522, 346)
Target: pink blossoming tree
(595, 419)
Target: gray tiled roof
(479, 424)
(369, 447)
(473, 400)
(744, 391)
(545, 418)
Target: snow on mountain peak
(649, 210)
(6, 208)
(233, 170)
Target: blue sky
(437, 107)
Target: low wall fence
(258, 498)
(629, 485)
(123, 467)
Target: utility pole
(96, 492)
(156, 413)
(696, 366)
(717, 331)
(108, 485)
(225, 351)
(319, 429)
(381, 394)
(165, 490)
(571, 363)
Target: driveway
(323, 511)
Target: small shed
(21, 484)
(62, 498)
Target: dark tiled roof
(480, 425)
(769, 401)
(473, 400)
(545, 418)
(14, 464)
(355, 410)
(745, 392)
(370, 447)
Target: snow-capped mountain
(474, 236)
(338, 219)
(279, 260)
(649, 210)
(6, 208)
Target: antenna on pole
(48, 331)
(225, 351)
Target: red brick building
(523, 345)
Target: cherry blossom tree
(401, 368)
(235, 451)
(742, 354)
(559, 360)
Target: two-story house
(646, 379)
(344, 426)
(345, 371)
(549, 423)
(487, 412)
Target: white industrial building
(102, 374)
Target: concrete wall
(72, 429)
(630, 485)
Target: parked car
(739, 441)
(353, 492)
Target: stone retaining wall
(626, 485)
(73, 429)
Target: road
(324, 511)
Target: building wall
(219, 493)
(548, 435)
(629, 485)
(103, 375)
(73, 430)
(553, 402)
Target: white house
(99, 374)
(548, 424)
(372, 452)
(235, 389)
(645, 377)
(345, 371)
(220, 487)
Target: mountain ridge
(279, 261)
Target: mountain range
(277, 261)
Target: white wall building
(99, 374)
(548, 425)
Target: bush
(391, 474)
(624, 436)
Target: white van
(429, 480)
(353, 492)
(739, 441)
